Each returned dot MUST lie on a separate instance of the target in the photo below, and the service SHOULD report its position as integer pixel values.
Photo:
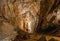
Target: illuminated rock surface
(29, 20)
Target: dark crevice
(56, 3)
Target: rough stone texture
(26, 17)
(7, 32)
